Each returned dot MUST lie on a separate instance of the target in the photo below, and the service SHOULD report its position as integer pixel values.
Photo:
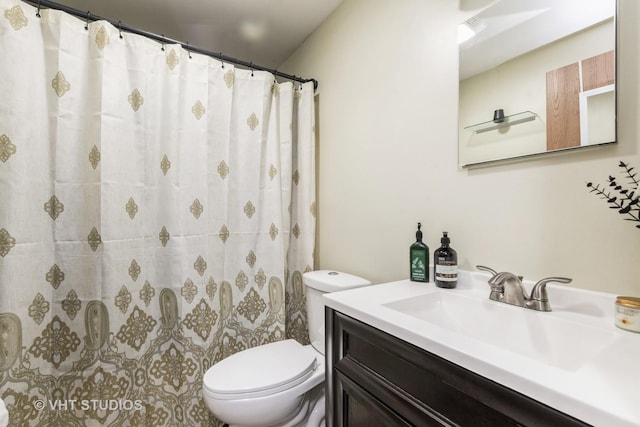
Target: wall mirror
(536, 76)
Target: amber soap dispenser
(419, 259)
(445, 262)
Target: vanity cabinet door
(360, 408)
(377, 377)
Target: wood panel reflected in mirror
(549, 65)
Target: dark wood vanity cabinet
(375, 379)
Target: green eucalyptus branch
(632, 177)
(624, 202)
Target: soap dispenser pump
(419, 259)
(445, 261)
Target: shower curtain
(156, 216)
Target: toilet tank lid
(332, 281)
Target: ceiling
(509, 28)
(259, 31)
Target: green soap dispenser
(445, 261)
(419, 259)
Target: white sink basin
(541, 336)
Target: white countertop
(602, 389)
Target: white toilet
(281, 383)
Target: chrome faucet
(508, 288)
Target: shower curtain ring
(120, 28)
(222, 60)
(38, 11)
(162, 35)
(86, 25)
(251, 66)
(188, 50)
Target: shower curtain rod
(88, 16)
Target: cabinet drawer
(426, 387)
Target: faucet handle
(487, 269)
(539, 291)
(497, 289)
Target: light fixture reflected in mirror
(465, 32)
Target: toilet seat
(260, 371)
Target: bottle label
(446, 271)
(418, 266)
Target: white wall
(387, 156)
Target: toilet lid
(261, 370)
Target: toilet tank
(318, 283)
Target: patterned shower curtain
(156, 216)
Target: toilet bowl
(281, 383)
